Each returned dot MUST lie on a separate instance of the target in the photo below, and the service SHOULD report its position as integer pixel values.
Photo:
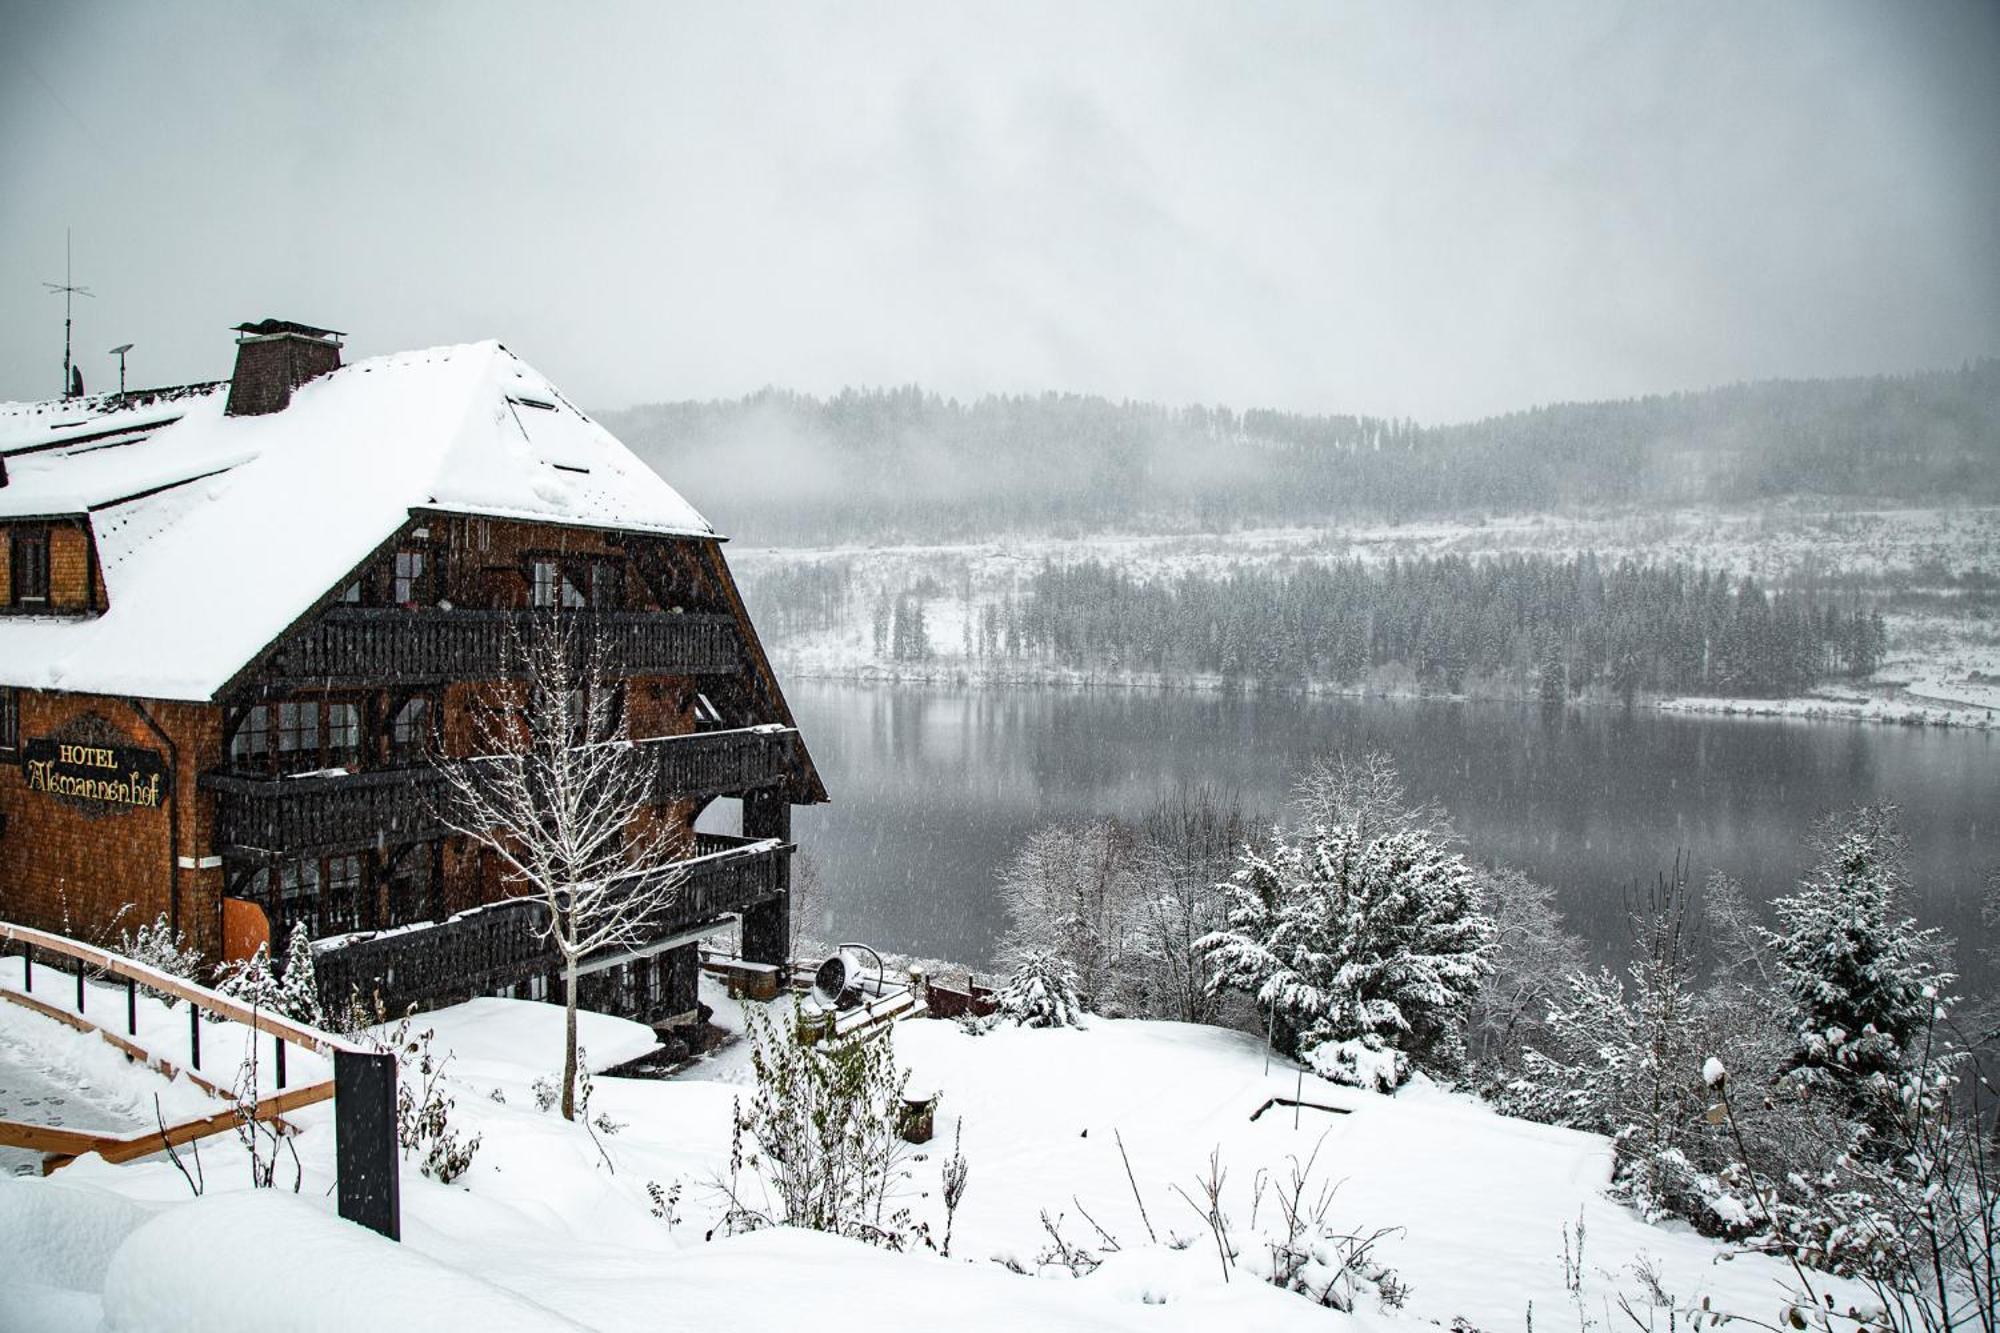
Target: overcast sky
(1429, 210)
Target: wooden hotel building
(241, 623)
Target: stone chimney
(274, 357)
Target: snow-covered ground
(1943, 666)
(546, 1231)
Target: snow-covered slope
(547, 1232)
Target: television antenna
(72, 383)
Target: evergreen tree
(1366, 955)
(1863, 982)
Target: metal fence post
(79, 986)
(194, 1034)
(131, 1006)
(364, 1128)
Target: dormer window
(30, 566)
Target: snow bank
(58, 1241)
(273, 1261)
(495, 1040)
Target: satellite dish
(838, 982)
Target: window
(544, 575)
(10, 719)
(410, 887)
(409, 583)
(410, 730)
(607, 585)
(297, 898)
(576, 583)
(298, 733)
(251, 747)
(343, 735)
(351, 594)
(30, 566)
(300, 736)
(340, 896)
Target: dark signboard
(99, 775)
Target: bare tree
(1189, 843)
(561, 795)
(1367, 795)
(1068, 892)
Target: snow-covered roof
(215, 532)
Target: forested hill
(905, 465)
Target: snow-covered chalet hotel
(238, 619)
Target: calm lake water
(933, 789)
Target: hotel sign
(95, 775)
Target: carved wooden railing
(296, 816)
(352, 645)
(489, 947)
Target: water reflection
(933, 789)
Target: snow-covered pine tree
(298, 987)
(250, 981)
(1041, 993)
(1863, 981)
(1367, 954)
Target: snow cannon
(842, 980)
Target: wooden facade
(307, 790)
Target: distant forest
(905, 465)
(1563, 627)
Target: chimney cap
(277, 328)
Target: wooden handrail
(214, 1002)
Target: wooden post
(767, 927)
(364, 1128)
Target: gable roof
(215, 533)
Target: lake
(934, 788)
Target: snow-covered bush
(164, 949)
(1623, 1057)
(822, 1127)
(1041, 993)
(1373, 948)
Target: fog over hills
(907, 465)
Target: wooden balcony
(353, 645)
(296, 816)
(488, 948)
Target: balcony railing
(295, 816)
(490, 947)
(352, 645)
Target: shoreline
(1904, 711)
